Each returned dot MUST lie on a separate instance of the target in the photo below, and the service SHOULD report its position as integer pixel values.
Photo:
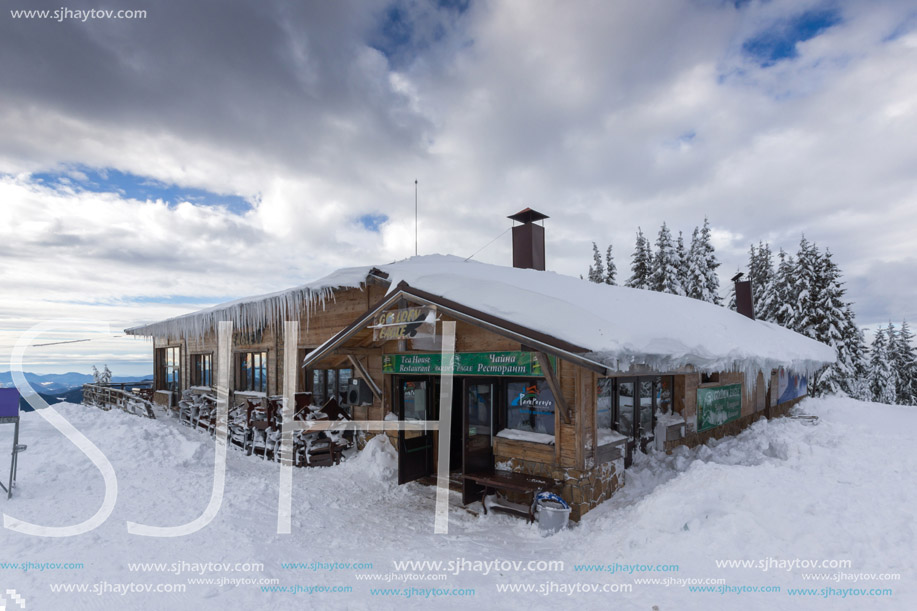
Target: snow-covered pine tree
(712, 284)
(891, 339)
(807, 288)
(611, 270)
(906, 366)
(858, 385)
(779, 299)
(641, 265)
(830, 329)
(731, 300)
(597, 269)
(760, 270)
(681, 262)
(695, 278)
(665, 275)
(882, 381)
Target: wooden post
(553, 384)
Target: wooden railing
(107, 396)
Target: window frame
(505, 399)
(243, 382)
(320, 396)
(197, 359)
(168, 368)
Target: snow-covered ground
(786, 491)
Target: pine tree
(858, 385)
(760, 270)
(731, 300)
(695, 278)
(596, 270)
(681, 263)
(641, 263)
(611, 270)
(780, 296)
(665, 274)
(807, 288)
(882, 380)
(906, 366)
(831, 319)
(712, 283)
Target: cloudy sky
(215, 149)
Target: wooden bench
(510, 481)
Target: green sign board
(718, 405)
(522, 364)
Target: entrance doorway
(481, 397)
(417, 399)
(636, 402)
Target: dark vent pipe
(528, 240)
(745, 303)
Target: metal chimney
(528, 240)
(745, 303)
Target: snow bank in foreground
(377, 460)
(840, 490)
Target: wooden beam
(553, 384)
(363, 373)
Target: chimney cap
(528, 216)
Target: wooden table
(530, 485)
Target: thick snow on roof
(617, 326)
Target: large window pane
(604, 403)
(625, 424)
(646, 406)
(530, 406)
(414, 399)
(480, 410)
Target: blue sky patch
(779, 41)
(399, 35)
(131, 186)
(372, 222)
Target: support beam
(553, 384)
(363, 373)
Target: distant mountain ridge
(56, 387)
(57, 382)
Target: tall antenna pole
(415, 217)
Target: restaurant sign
(718, 405)
(406, 323)
(522, 364)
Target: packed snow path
(781, 494)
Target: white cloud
(607, 117)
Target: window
(202, 370)
(251, 371)
(665, 394)
(604, 414)
(709, 378)
(327, 383)
(530, 406)
(414, 397)
(168, 363)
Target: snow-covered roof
(614, 325)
